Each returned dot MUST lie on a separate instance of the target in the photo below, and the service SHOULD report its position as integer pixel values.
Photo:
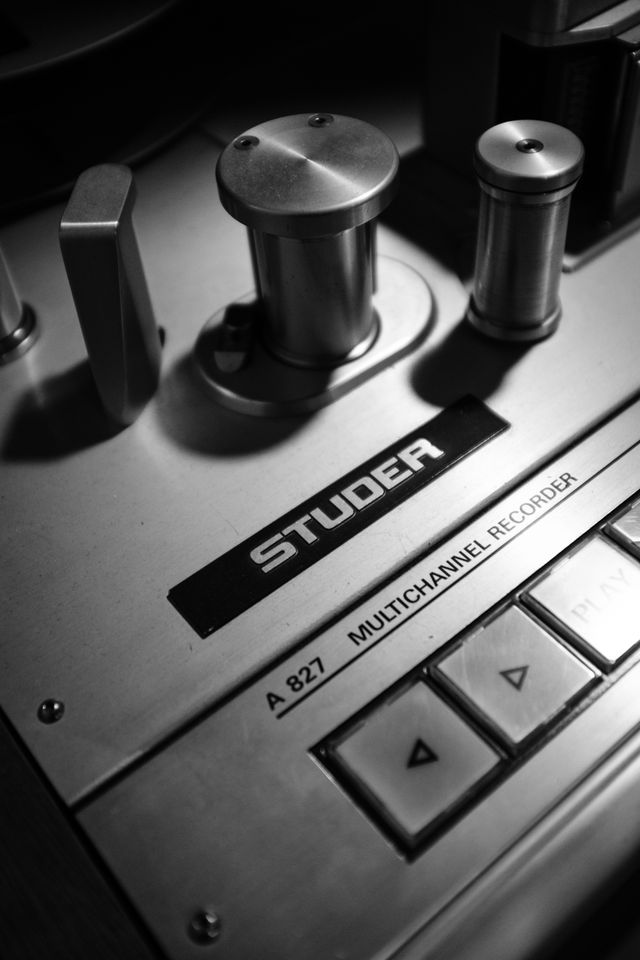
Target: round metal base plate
(244, 376)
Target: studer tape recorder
(321, 557)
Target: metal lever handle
(107, 281)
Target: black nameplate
(255, 568)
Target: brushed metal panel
(379, 753)
(514, 673)
(100, 526)
(532, 901)
(454, 604)
(594, 596)
(238, 817)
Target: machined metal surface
(595, 596)
(193, 762)
(516, 674)
(265, 384)
(190, 479)
(309, 188)
(186, 813)
(412, 780)
(529, 156)
(527, 171)
(109, 289)
(308, 175)
(626, 528)
(316, 295)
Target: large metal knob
(527, 170)
(309, 187)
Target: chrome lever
(109, 289)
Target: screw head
(529, 145)
(51, 710)
(246, 142)
(320, 120)
(204, 927)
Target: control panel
(322, 549)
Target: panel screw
(204, 927)
(320, 120)
(246, 142)
(529, 146)
(50, 711)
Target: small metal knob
(527, 170)
(309, 187)
(109, 289)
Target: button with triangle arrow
(420, 754)
(413, 759)
(515, 676)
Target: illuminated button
(595, 594)
(626, 529)
(515, 674)
(415, 758)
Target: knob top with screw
(308, 175)
(529, 156)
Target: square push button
(626, 529)
(595, 595)
(515, 674)
(414, 758)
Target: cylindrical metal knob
(308, 187)
(527, 170)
